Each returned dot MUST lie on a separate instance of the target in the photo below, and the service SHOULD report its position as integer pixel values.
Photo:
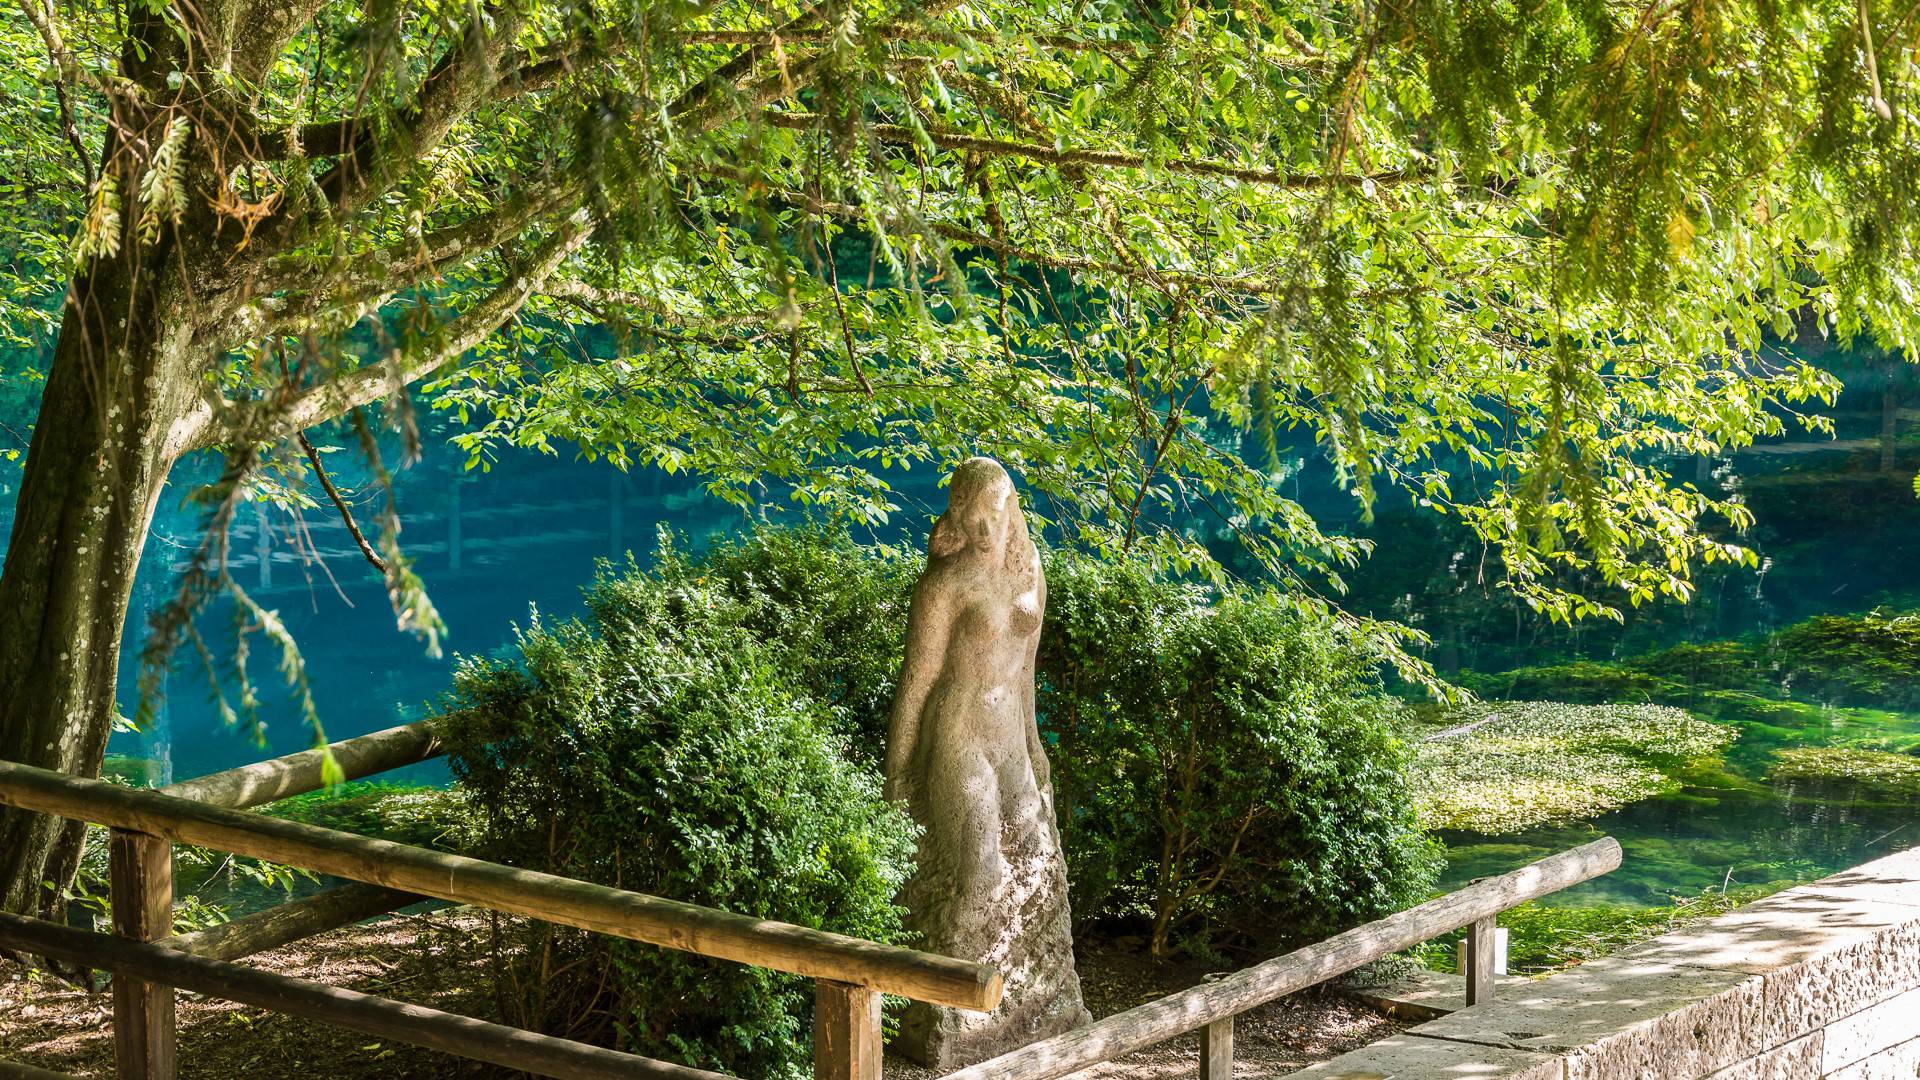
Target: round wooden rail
(297, 774)
(479, 1040)
(689, 927)
(1199, 1006)
(13, 1070)
(292, 921)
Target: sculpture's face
(981, 509)
(986, 519)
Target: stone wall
(1821, 981)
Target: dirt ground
(434, 959)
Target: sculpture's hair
(973, 480)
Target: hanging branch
(1110, 159)
(340, 504)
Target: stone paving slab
(1900, 1063)
(1781, 930)
(1406, 1057)
(1797, 1060)
(1821, 982)
(1892, 880)
(1426, 995)
(1620, 1017)
(1808, 996)
(1871, 1031)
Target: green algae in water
(1504, 767)
(1850, 770)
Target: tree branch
(959, 235)
(1112, 159)
(340, 504)
(316, 287)
(361, 386)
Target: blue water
(492, 548)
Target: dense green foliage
(1518, 262)
(660, 746)
(835, 611)
(1508, 766)
(1225, 767)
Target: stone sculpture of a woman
(965, 754)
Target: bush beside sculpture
(1227, 769)
(657, 745)
(711, 731)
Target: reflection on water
(1727, 825)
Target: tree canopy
(1514, 258)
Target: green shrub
(1228, 770)
(835, 611)
(658, 745)
(712, 724)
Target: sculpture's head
(983, 517)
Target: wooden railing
(1210, 1007)
(851, 974)
(150, 963)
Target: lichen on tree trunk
(117, 394)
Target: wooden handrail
(1208, 1003)
(480, 1040)
(298, 774)
(292, 921)
(13, 1070)
(670, 923)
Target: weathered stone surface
(1893, 880)
(1786, 928)
(1621, 1017)
(1810, 995)
(1422, 994)
(1797, 1060)
(1822, 981)
(1898, 1063)
(1410, 1057)
(1872, 1030)
(990, 883)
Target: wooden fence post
(1480, 948)
(140, 881)
(846, 1032)
(1216, 1050)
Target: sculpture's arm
(1036, 748)
(929, 624)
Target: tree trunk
(110, 426)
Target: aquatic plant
(417, 814)
(1870, 660)
(1501, 767)
(1873, 772)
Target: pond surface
(1727, 825)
